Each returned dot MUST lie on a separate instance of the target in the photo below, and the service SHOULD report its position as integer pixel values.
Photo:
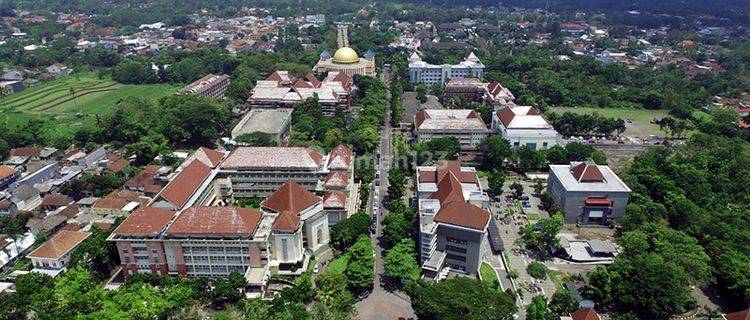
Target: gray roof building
(275, 122)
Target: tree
(537, 309)
(562, 303)
(332, 292)
(131, 72)
(447, 148)
(192, 119)
(599, 288)
(397, 183)
(359, 272)
(400, 262)
(517, 188)
(95, 254)
(537, 270)
(421, 93)
(228, 290)
(468, 299)
(542, 237)
(529, 159)
(396, 228)
(495, 150)
(496, 181)
(538, 186)
(146, 149)
(347, 231)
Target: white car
(316, 269)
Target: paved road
(383, 304)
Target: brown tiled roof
(6, 172)
(105, 203)
(117, 164)
(232, 221)
(334, 199)
(532, 112)
(71, 211)
(301, 84)
(25, 152)
(290, 197)
(48, 223)
(585, 314)
(130, 196)
(494, 88)
(463, 214)
(340, 157)
(506, 115)
(420, 117)
(337, 179)
(445, 166)
(740, 315)
(209, 157)
(60, 244)
(5, 204)
(313, 80)
(586, 172)
(145, 222)
(449, 190)
(286, 221)
(55, 200)
(145, 179)
(178, 191)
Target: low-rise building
(584, 314)
(452, 223)
(51, 257)
(211, 85)
(283, 90)
(423, 72)
(588, 193)
(8, 175)
(464, 124)
(524, 126)
(274, 122)
(474, 90)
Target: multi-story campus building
(524, 126)
(452, 223)
(213, 241)
(282, 90)
(588, 193)
(212, 86)
(464, 124)
(423, 72)
(474, 90)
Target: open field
(487, 273)
(72, 101)
(641, 126)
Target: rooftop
(59, 245)
(215, 221)
(463, 214)
(290, 197)
(522, 117)
(610, 182)
(449, 119)
(269, 121)
(186, 183)
(145, 222)
(273, 157)
(340, 158)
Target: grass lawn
(641, 126)
(339, 264)
(72, 101)
(557, 277)
(487, 273)
(533, 216)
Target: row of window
(456, 241)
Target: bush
(537, 270)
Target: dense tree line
(686, 224)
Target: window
(284, 250)
(456, 241)
(455, 257)
(455, 249)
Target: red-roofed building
(453, 224)
(584, 314)
(740, 315)
(197, 242)
(186, 188)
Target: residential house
(8, 175)
(51, 257)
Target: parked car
(316, 269)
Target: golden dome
(345, 55)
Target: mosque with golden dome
(346, 60)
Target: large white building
(423, 72)
(524, 126)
